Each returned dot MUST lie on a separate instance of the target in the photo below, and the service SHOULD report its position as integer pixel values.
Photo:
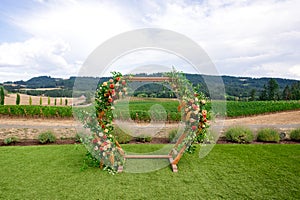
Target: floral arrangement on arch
(102, 143)
(192, 107)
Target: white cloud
(83, 24)
(239, 35)
(35, 56)
(295, 70)
(249, 38)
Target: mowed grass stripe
(229, 171)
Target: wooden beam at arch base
(169, 157)
(148, 79)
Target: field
(11, 100)
(36, 111)
(234, 108)
(139, 107)
(229, 171)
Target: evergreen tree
(30, 100)
(49, 101)
(264, 95)
(18, 99)
(2, 96)
(273, 90)
(295, 91)
(252, 94)
(41, 101)
(286, 94)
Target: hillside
(236, 87)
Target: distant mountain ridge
(236, 87)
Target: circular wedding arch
(100, 140)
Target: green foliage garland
(101, 141)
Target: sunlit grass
(229, 171)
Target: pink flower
(194, 128)
(195, 107)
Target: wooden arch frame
(171, 156)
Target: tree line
(271, 91)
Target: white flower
(104, 84)
(112, 108)
(100, 134)
(192, 120)
(96, 148)
(106, 130)
(196, 99)
(117, 84)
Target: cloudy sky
(243, 38)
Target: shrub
(2, 96)
(239, 134)
(173, 137)
(268, 135)
(78, 138)
(46, 137)
(121, 136)
(18, 99)
(11, 140)
(143, 138)
(295, 134)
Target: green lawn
(229, 171)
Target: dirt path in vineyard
(28, 128)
